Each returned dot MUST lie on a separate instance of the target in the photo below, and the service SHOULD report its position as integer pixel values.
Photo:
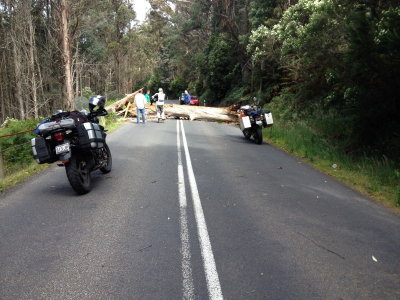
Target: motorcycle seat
(256, 112)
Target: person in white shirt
(140, 101)
(160, 97)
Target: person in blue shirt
(187, 97)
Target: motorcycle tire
(258, 137)
(78, 174)
(247, 133)
(107, 168)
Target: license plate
(62, 148)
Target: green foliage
(341, 60)
(154, 83)
(239, 94)
(177, 87)
(372, 71)
(16, 149)
(111, 118)
(262, 12)
(222, 71)
(114, 95)
(308, 137)
(87, 92)
(398, 196)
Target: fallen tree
(224, 114)
(127, 108)
(120, 104)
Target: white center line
(213, 284)
(188, 287)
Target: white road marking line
(188, 287)
(213, 284)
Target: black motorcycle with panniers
(252, 120)
(77, 141)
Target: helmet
(98, 100)
(160, 90)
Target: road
(191, 210)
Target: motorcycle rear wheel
(247, 133)
(78, 174)
(107, 168)
(258, 137)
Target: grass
(376, 178)
(22, 174)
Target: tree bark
(32, 66)
(66, 56)
(224, 114)
(17, 78)
(117, 106)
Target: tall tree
(66, 55)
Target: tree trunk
(224, 114)
(66, 57)
(32, 66)
(17, 78)
(117, 106)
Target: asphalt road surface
(191, 210)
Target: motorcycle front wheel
(258, 137)
(108, 157)
(78, 174)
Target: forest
(334, 64)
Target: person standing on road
(148, 96)
(140, 101)
(187, 97)
(160, 97)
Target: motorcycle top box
(48, 127)
(90, 135)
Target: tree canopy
(335, 58)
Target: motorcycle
(77, 141)
(252, 120)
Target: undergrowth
(317, 140)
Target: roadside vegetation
(308, 138)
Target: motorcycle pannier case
(244, 122)
(90, 135)
(268, 119)
(41, 151)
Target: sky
(141, 9)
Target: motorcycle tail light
(59, 136)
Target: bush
(114, 95)
(236, 95)
(17, 149)
(177, 87)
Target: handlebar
(98, 113)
